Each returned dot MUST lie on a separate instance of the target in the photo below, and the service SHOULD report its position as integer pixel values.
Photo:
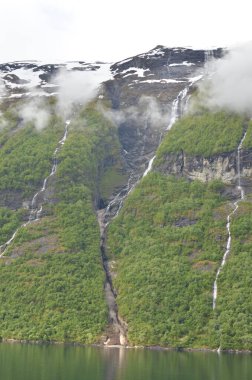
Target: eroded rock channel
(117, 331)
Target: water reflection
(30, 362)
(114, 359)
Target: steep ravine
(117, 331)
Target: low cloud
(230, 84)
(35, 112)
(79, 87)
(148, 110)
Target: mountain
(125, 219)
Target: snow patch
(166, 81)
(185, 63)
(28, 75)
(137, 71)
(195, 79)
(151, 53)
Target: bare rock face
(220, 166)
(142, 93)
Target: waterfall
(235, 208)
(178, 107)
(149, 166)
(209, 56)
(36, 209)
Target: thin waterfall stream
(36, 206)
(179, 106)
(235, 208)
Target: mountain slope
(51, 274)
(91, 251)
(168, 244)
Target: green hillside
(167, 244)
(169, 241)
(203, 134)
(52, 277)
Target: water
(28, 362)
(235, 208)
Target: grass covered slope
(204, 134)
(25, 160)
(52, 278)
(234, 304)
(26, 156)
(167, 244)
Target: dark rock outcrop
(147, 85)
(220, 166)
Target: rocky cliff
(142, 93)
(223, 166)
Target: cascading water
(36, 207)
(235, 208)
(178, 108)
(118, 335)
(209, 56)
(36, 210)
(149, 167)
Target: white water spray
(209, 56)
(149, 166)
(236, 206)
(36, 210)
(178, 108)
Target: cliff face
(142, 93)
(220, 166)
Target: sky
(112, 30)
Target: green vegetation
(26, 156)
(52, 278)
(52, 297)
(247, 143)
(96, 141)
(9, 221)
(234, 304)
(167, 243)
(25, 160)
(203, 134)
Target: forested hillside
(51, 274)
(125, 204)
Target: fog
(146, 110)
(34, 111)
(230, 83)
(79, 87)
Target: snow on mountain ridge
(36, 78)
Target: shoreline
(151, 348)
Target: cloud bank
(79, 87)
(35, 112)
(148, 110)
(230, 86)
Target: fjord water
(33, 362)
